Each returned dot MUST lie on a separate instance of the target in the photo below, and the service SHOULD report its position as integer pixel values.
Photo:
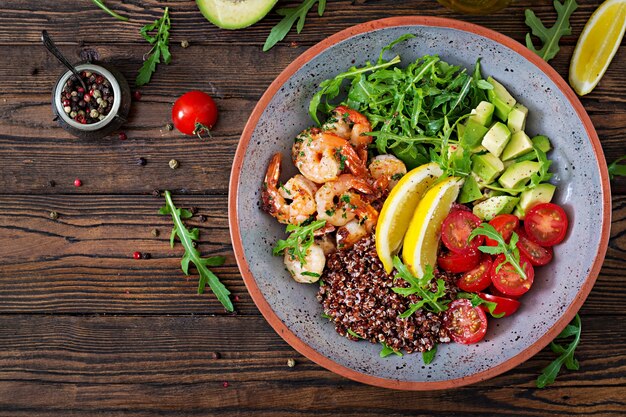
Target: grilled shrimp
(322, 156)
(293, 202)
(351, 125)
(386, 171)
(338, 204)
(309, 271)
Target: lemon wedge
(398, 210)
(597, 45)
(421, 241)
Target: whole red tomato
(194, 113)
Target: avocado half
(235, 14)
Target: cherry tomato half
(546, 224)
(494, 291)
(466, 324)
(506, 306)
(457, 263)
(456, 229)
(479, 278)
(508, 281)
(505, 224)
(537, 255)
(194, 113)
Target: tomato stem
(200, 129)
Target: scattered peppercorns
(137, 255)
(137, 95)
(141, 161)
(146, 255)
(203, 218)
(173, 164)
(215, 355)
(91, 106)
(155, 232)
(122, 136)
(225, 384)
(52, 183)
(54, 215)
(184, 44)
(291, 362)
(236, 298)
(169, 126)
(77, 182)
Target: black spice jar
(97, 112)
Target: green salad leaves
(160, 51)
(299, 241)
(565, 352)
(433, 301)
(550, 37)
(290, 15)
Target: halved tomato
(478, 278)
(546, 224)
(466, 324)
(456, 229)
(537, 255)
(457, 263)
(506, 278)
(505, 305)
(504, 224)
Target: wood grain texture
(85, 330)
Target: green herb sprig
(617, 169)
(104, 7)
(387, 350)
(476, 300)
(550, 37)
(543, 175)
(192, 255)
(299, 241)
(509, 250)
(290, 15)
(421, 286)
(160, 51)
(354, 334)
(565, 352)
(429, 356)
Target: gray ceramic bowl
(580, 174)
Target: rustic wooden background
(87, 330)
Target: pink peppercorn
(137, 95)
(122, 136)
(137, 255)
(225, 384)
(77, 182)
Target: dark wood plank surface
(87, 330)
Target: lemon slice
(398, 210)
(422, 238)
(597, 45)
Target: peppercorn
(155, 232)
(291, 362)
(146, 255)
(215, 355)
(137, 95)
(203, 218)
(77, 182)
(141, 161)
(54, 215)
(156, 193)
(169, 126)
(122, 136)
(225, 384)
(52, 183)
(94, 114)
(184, 44)
(173, 164)
(137, 255)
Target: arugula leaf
(550, 37)
(386, 351)
(354, 334)
(104, 7)
(421, 286)
(543, 175)
(615, 169)
(290, 15)
(429, 355)
(160, 47)
(299, 241)
(509, 250)
(192, 255)
(476, 300)
(565, 352)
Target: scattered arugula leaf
(615, 169)
(290, 15)
(104, 7)
(386, 351)
(192, 255)
(476, 300)
(300, 239)
(429, 355)
(550, 37)
(566, 354)
(421, 286)
(160, 51)
(354, 334)
(326, 316)
(509, 250)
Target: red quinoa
(356, 293)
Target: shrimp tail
(270, 198)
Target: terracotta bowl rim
(328, 363)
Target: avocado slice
(502, 100)
(518, 174)
(487, 167)
(542, 193)
(473, 133)
(235, 14)
(496, 138)
(482, 113)
(539, 141)
(517, 118)
(519, 145)
(470, 191)
(490, 208)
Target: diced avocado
(518, 174)
(496, 138)
(493, 206)
(479, 149)
(483, 113)
(519, 213)
(519, 145)
(487, 167)
(517, 118)
(507, 164)
(502, 100)
(542, 142)
(479, 181)
(540, 194)
(473, 133)
(470, 191)
(235, 14)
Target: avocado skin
(206, 7)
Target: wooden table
(87, 330)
